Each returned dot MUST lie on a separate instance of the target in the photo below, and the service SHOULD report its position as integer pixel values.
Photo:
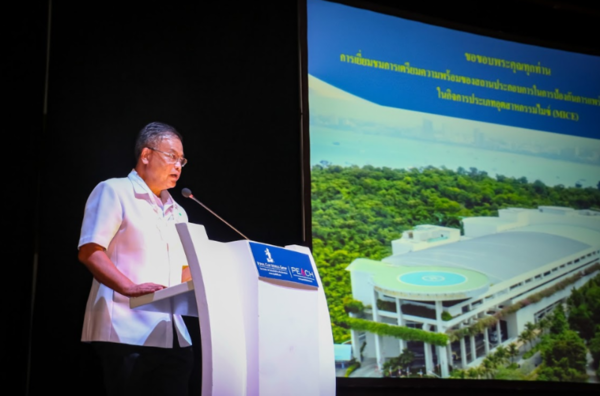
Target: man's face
(161, 172)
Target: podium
(264, 322)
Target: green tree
(488, 366)
(561, 371)
(526, 337)
(581, 320)
(402, 361)
(501, 354)
(594, 347)
(512, 351)
(544, 324)
(584, 308)
(564, 357)
(558, 322)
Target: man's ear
(145, 154)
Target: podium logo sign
(302, 273)
(269, 258)
(278, 263)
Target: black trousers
(131, 370)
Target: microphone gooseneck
(187, 193)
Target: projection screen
(455, 192)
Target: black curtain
(226, 77)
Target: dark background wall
(227, 76)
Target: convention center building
(441, 281)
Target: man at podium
(129, 243)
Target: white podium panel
(261, 335)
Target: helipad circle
(432, 278)
(423, 283)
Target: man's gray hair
(152, 134)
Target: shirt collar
(140, 187)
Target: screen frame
(384, 385)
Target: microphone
(186, 192)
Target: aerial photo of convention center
(441, 281)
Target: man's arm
(104, 270)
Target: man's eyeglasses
(172, 158)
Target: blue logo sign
(286, 265)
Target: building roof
(505, 255)
(547, 237)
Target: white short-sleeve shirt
(140, 238)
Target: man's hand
(141, 289)
(104, 270)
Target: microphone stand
(186, 192)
